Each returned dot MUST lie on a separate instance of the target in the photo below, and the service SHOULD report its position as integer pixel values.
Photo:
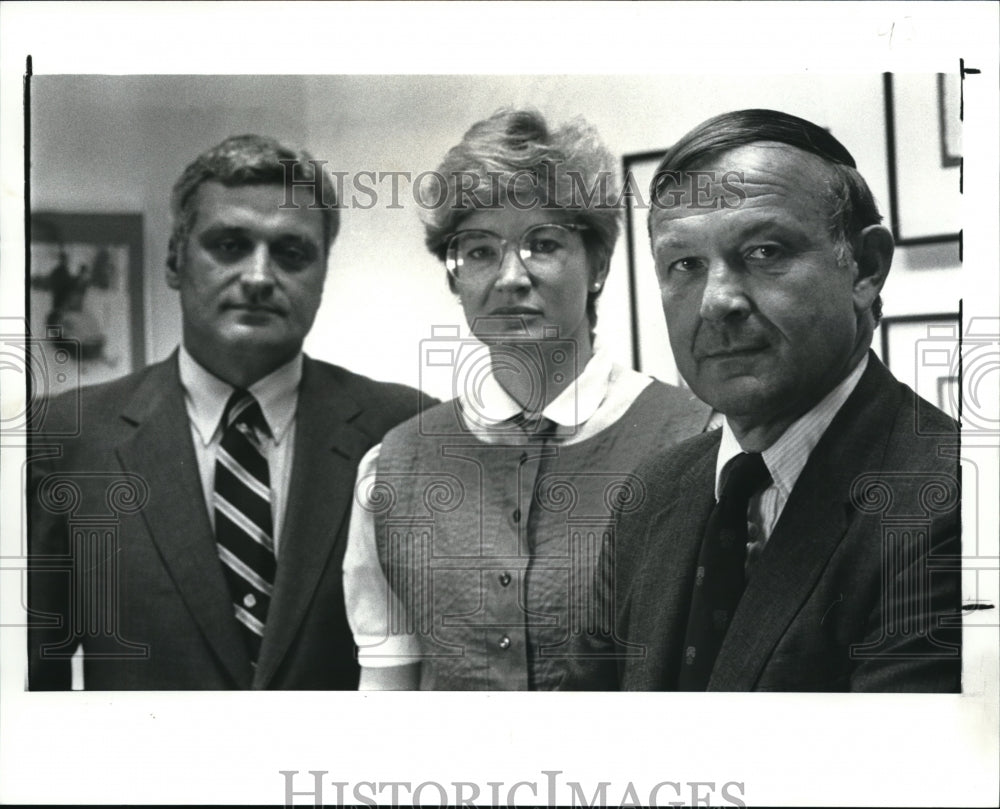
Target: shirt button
(505, 579)
(504, 643)
(249, 601)
(515, 515)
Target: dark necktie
(719, 577)
(537, 428)
(243, 528)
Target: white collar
(573, 407)
(786, 458)
(206, 396)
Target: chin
(514, 331)
(732, 397)
(257, 339)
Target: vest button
(504, 643)
(515, 515)
(505, 579)
(249, 601)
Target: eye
(229, 247)
(294, 253)
(764, 253)
(482, 252)
(686, 265)
(544, 245)
(475, 247)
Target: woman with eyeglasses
(478, 524)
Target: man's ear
(873, 249)
(173, 271)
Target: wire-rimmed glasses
(542, 248)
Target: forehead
(257, 207)
(748, 184)
(511, 222)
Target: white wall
(118, 143)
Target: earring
(595, 286)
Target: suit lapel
(328, 447)
(815, 520)
(659, 607)
(160, 450)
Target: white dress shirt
(205, 396)
(785, 458)
(600, 396)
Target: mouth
(508, 311)
(253, 308)
(731, 352)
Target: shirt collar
(206, 396)
(786, 458)
(570, 409)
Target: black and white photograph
(492, 349)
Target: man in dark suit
(188, 522)
(811, 544)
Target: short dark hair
(854, 206)
(245, 160)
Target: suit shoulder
(920, 432)
(677, 460)
(91, 403)
(392, 401)
(676, 398)
(439, 418)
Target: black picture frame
(924, 351)
(931, 116)
(62, 240)
(651, 353)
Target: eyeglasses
(479, 253)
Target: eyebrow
(221, 227)
(750, 230)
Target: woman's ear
(599, 267)
(873, 249)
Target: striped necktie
(243, 526)
(719, 577)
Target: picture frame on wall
(922, 351)
(651, 352)
(923, 148)
(85, 296)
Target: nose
(257, 278)
(513, 274)
(725, 294)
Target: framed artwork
(85, 303)
(924, 150)
(651, 352)
(923, 352)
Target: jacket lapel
(328, 446)
(815, 520)
(160, 450)
(665, 577)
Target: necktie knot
(243, 410)
(744, 476)
(536, 426)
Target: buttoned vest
(491, 548)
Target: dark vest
(491, 548)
